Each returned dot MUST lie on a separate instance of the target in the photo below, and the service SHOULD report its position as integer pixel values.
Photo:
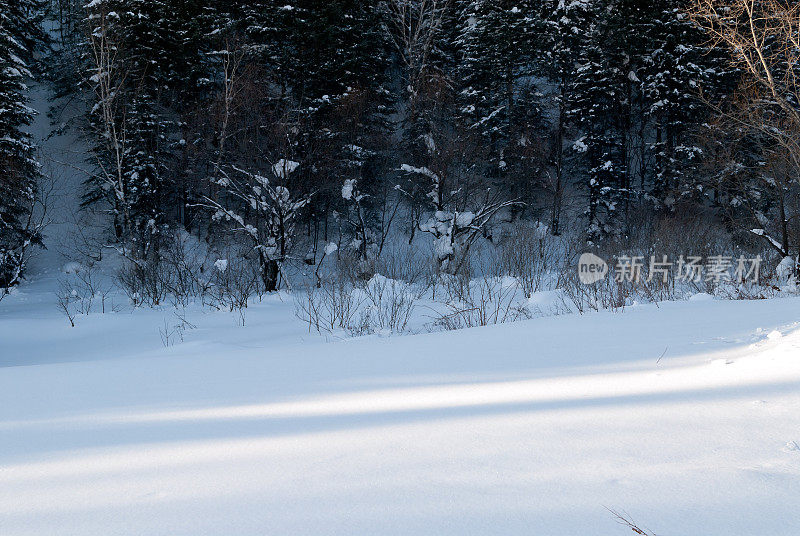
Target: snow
(774, 335)
(347, 189)
(419, 170)
(430, 143)
(785, 268)
(331, 248)
(684, 408)
(760, 232)
(221, 265)
(464, 219)
(283, 168)
(785, 272)
(72, 268)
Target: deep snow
(525, 428)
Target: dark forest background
(280, 124)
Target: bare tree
(763, 38)
(231, 57)
(265, 212)
(624, 519)
(415, 26)
(763, 41)
(108, 80)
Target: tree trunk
(555, 223)
(269, 272)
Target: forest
(278, 133)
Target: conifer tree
(566, 26)
(677, 67)
(497, 98)
(19, 169)
(598, 107)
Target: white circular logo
(591, 268)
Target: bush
(232, 283)
(382, 304)
(529, 254)
(145, 281)
(390, 304)
(329, 307)
(482, 302)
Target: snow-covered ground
(686, 416)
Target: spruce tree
(566, 32)
(19, 170)
(497, 97)
(138, 67)
(677, 67)
(328, 66)
(598, 107)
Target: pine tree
(151, 44)
(138, 67)
(598, 107)
(425, 35)
(498, 45)
(677, 66)
(19, 170)
(315, 51)
(566, 27)
(329, 62)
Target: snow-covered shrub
(746, 291)
(389, 305)
(353, 268)
(145, 281)
(232, 287)
(530, 254)
(605, 294)
(549, 303)
(170, 270)
(482, 302)
(786, 274)
(403, 262)
(330, 307)
(93, 292)
(83, 291)
(380, 304)
(451, 288)
(184, 259)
